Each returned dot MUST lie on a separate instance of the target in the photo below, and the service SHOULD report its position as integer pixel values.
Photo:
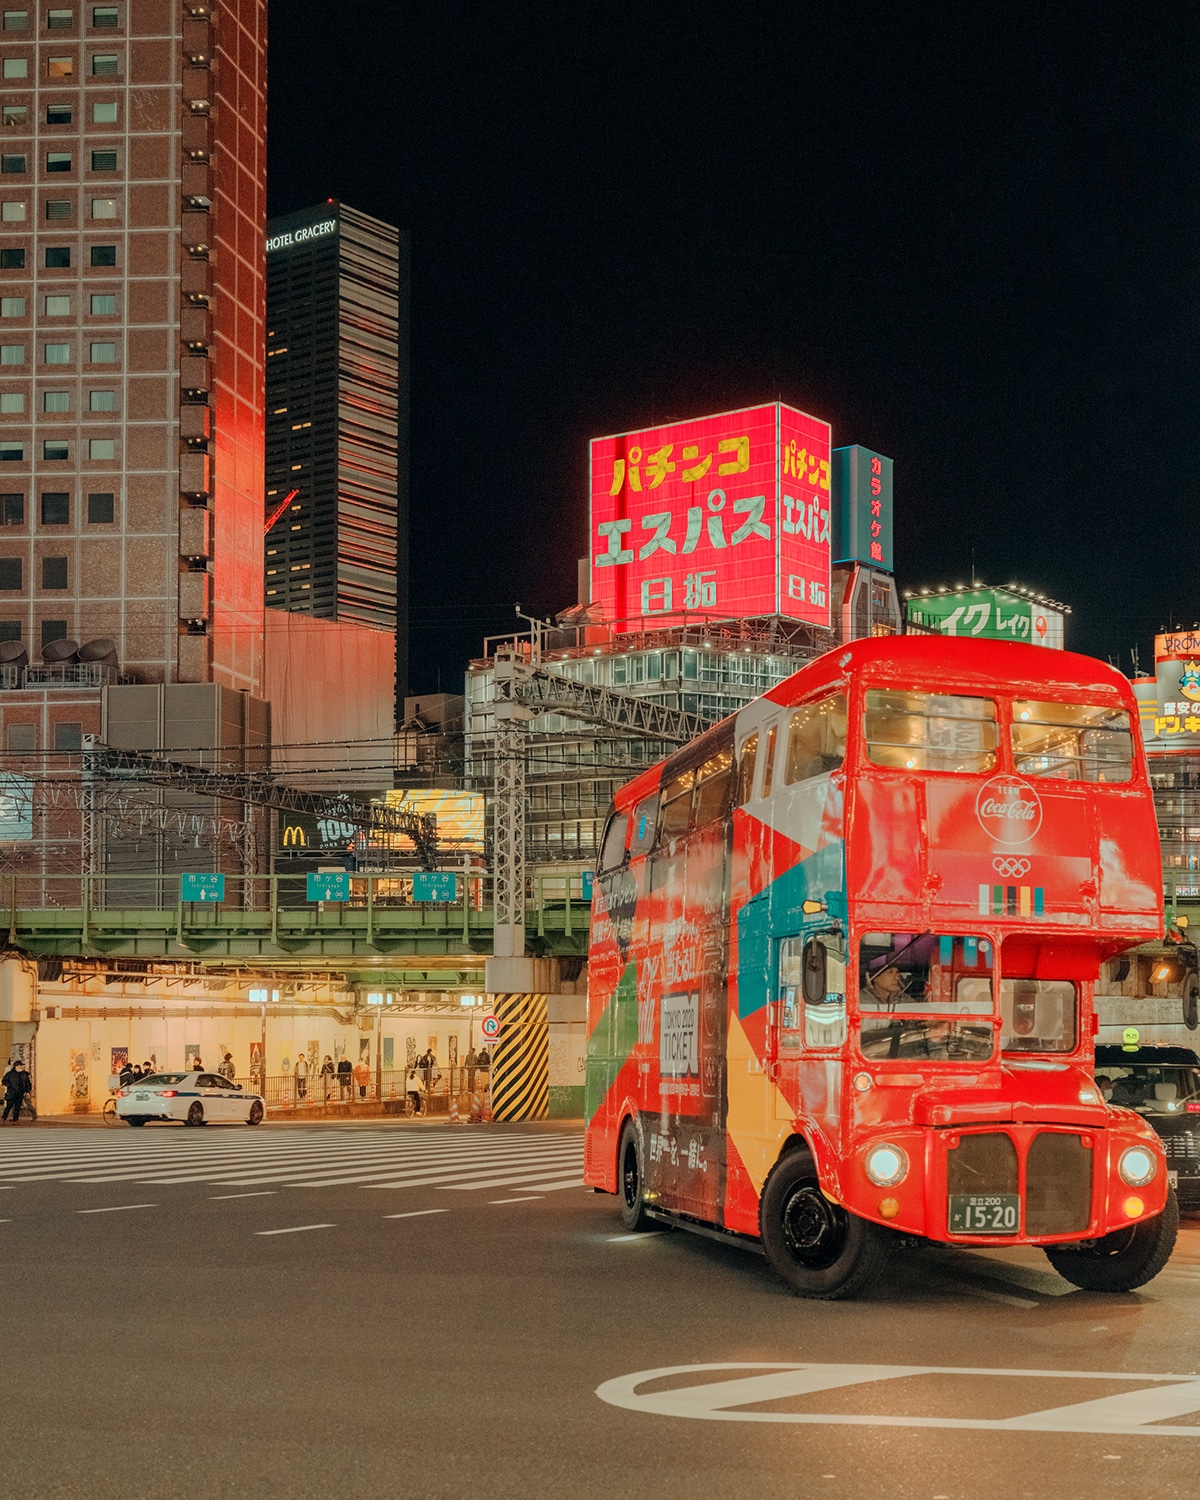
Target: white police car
(190, 1098)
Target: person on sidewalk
(126, 1076)
(362, 1076)
(227, 1068)
(301, 1074)
(327, 1076)
(343, 1076)
(18, 1086)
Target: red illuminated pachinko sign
(725, 517)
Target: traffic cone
(454, 1120)
(476, 1108)
(487, 1106)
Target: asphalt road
(424, 1312)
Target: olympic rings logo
(1013, 869)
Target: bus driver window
(812, 992)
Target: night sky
(966, 236)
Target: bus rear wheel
(631, 1182)
(818, 1248)
(1121, 1261)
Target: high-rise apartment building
(337, 421)
(132, 203)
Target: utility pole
(508, 898)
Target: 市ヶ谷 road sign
(193, 887)
(435, 885)
(332, 885)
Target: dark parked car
(1163, 1085)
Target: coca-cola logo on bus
(1009, 810)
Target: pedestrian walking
(362, 1076)
(197, 1065)
(18, 1086)
(343, 1076)
(327, 1076)
(227, 1068)
(301, 1075)
(471, 1062)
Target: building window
(102, 448)
(104, 255)
(53, 630)
(10, 573)
(13, 260)
(16, 20)
(59, 114)
(12, 212)
(58, 307)
(13, 453)
(104, 208)
(103, 304)
(61, 67)
(10, 630)
(16, 67)
(102, 401)
(56, 401)
(12, 510)
(105, 15)
(103, 354)
(58, 257)
(15, 115)
(58, 161)
(68, 736)
(12, 401)
(21, 738)
(101, 509)
(104, 112)
(59, 20)
(54, 575)
(12, 354)
(12, 307)
(56, 508)
(57, 354)
(13, 163)
(104, 161)
(55, 450)
(105, 62)
(58, 208)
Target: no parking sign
(489, 1028)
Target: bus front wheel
(631, 1183)
(818, 1248)
(1121, 1261)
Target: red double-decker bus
(843, 953)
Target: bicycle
(108, 1111)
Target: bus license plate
(984, 1213)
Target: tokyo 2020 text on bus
(843, 952)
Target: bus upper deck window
(713, 780)
(645, 825)
(677, 805)
(769, 759)
(1072, 741)
(612, 851)
(916, 731)
(747, 758)
(816, 739)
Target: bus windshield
(916, 988)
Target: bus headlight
(886, 1165)
(1137, 1166)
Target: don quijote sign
(1009, 810)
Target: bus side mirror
(813, 967)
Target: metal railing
(409, 1090)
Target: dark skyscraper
(337, 421)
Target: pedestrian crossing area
(327, 1156)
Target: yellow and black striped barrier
(521, 1059)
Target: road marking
(725, 1400)
(115, 1209)
(496, 1202)
(225, 1197)
(629, 1239)
(296, 1229)
(417, 1213)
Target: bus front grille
(982, 1164)
(1058, 1184)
